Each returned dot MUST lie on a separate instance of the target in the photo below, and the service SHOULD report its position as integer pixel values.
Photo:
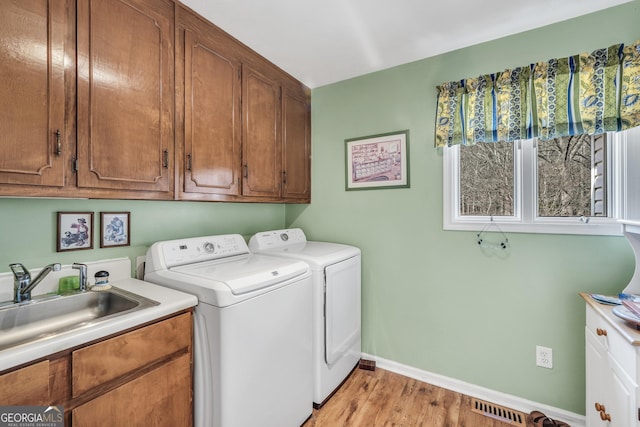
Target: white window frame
(525, 219)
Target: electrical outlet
(544, 357)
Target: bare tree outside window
(487, 179)
(566, 176)
(570, 177)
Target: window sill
(595, 226)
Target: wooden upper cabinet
(125, 95)
(261, 134)
(32, 99)
(296, 145)
(124, 99)
(209, 90)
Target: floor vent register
(498, 412)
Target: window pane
(565, 176)
(486, 179)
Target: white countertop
(170, 301)
(628, 332)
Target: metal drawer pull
(165, 160)
(601, 332)
(58, 143)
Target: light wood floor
(383, 398)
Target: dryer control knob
(284, 237)
(208, 247)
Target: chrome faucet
(83, 275)
(22, 283)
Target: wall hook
(503, 244)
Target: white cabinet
(612, 362)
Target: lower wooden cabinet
(26, 386)
(141, 377)
(161, 397)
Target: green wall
(28, 226)
(432, 299)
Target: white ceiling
(325, 41)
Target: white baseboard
(499, 398)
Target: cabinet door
(596, 367)
(610, 393)
(161, 397)
(129, 352)
(26, 386)
(261, 134)
(212, 121)
(32, 92)
(621, 396)
(296, 146)
(125, 94)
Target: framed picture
(115, 229)
(378, 161)
(75, 231)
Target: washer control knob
(284, 237)
(208, 247)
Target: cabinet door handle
(165, 159)
(189, 161)
(284, 177)
(246, 171)
(601, 332)
(604, 416)
(58, 142)
(599, 407)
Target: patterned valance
(581, 94)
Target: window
(576, 184)
(571, 172)
(487, 179)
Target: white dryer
(336, 277)
(252, 330)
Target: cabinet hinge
(74, 165)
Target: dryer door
(341, 307)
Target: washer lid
(316, 254)
(246, 273)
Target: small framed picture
(75, 231)
(115, 229)
(378, 161)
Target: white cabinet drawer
(620, 349)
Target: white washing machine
(252, 331)
(336, 276)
